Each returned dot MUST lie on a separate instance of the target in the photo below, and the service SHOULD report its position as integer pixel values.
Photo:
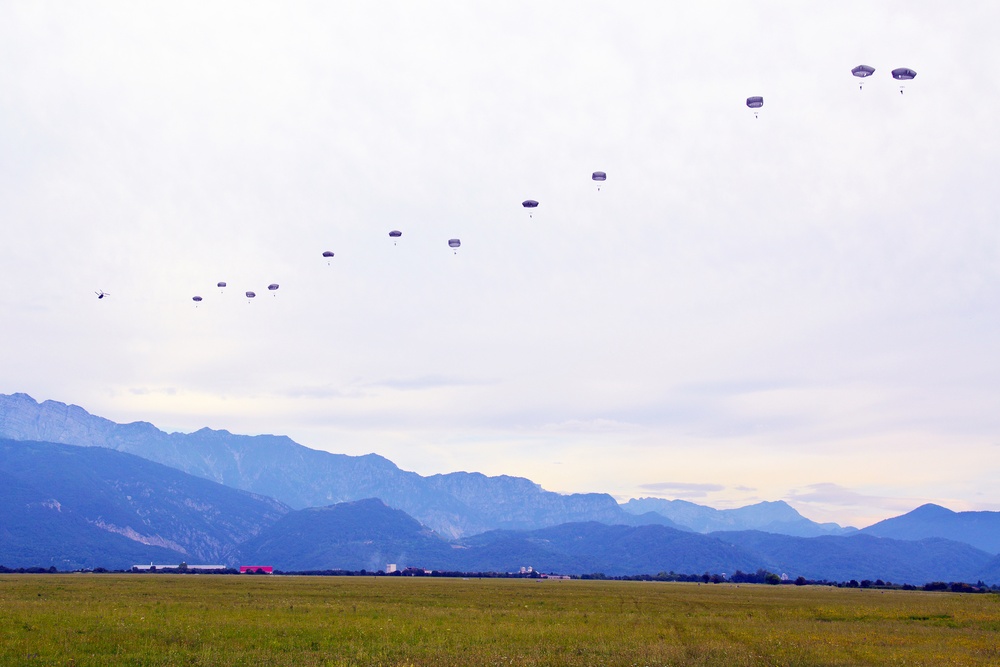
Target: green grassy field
(245, 620)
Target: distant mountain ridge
(769, 516)
(301, 477)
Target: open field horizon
(167, 619)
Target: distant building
(256, 569)
(390, 568)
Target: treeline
(761, 576)
(28, 570)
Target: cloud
(430, 382)
(591, 426)
(682, 489)
(827, 499)
(148, 391)
(835, 494)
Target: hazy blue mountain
(453, 505)
(591, 547)
(502, 497)
(772, 517)
(989, 573)
(359, 535)
(368, 535)
(980, 529)
(37, 531)
(859, 556)
(76, 507)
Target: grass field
(85, 619)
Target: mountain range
(453, 504)
(97, 498)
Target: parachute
(454, 243)
(755, 103)
(395, 234)
(196, 299)
(328, 254)
(221, 283)
(903, 74)
(273, 287)
(250, 295)
(529, 204)
(600, 177)
(862, 72)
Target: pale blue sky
(802, 306)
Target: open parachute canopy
(328, 253)
(529, 203)
(196, 299)
(755, 102)
(599, 176)
(272, 286)
(251, 295)
(863, 71)
(903, 74)
(221, 283)
(454, 243)
(395, 234)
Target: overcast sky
(803, 306)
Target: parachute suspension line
(530, 205)
(862, 72)
(599, 177)
(903, 74)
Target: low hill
(859, 556)
(591, 547)
(359, 535)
